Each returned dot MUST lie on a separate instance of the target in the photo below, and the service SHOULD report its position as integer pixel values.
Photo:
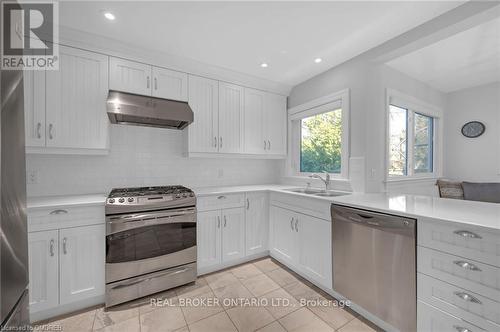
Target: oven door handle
(166, 274)
(153, 215)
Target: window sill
(412, 179)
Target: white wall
(142, 156)
(473, 159)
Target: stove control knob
(177, 196)
(184, 195)
(130, 199)
(111, 200)
(191, 194)
(121, 200)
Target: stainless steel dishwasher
(374, 258)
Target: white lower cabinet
(82, 263)
(220, 237)
(256, 223)
(43, 256)
(65, 266)
(303, 243)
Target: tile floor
(259, 296)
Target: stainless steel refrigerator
(14, 234)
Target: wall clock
(473, 129)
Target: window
(321, 143)
(411, 142)
(319, 140)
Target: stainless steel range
(150, 241)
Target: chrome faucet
(326, 180)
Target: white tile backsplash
(141, 156)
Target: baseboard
(210, 269)
(66, 309)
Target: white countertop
(460, 211)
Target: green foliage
(321, 143)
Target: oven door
(146, 242)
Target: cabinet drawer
(470, 306)
(64, 217)
(468, 241)
(431, 319)
(477, 277)
(222, 201)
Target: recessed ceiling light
(109, 16)
(263, 65)
(318, 60)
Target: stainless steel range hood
(130, 109)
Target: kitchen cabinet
(82, 263)
(257, 222)
(264, 123)
(303, 243)
(230, 118)
(34, 107)
(76, 101)
(66, 109)
(204, 101)
(233, 234)
(208, 239)
(143, 79)
(43, 256)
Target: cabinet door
(282, 234)
(204, 101)
(129, 76)
(256, 223)
(315, 251)
(253, 136)
(34, 107)
(275, 124)
(170, 84)
(82, 263)
(43, 256)
(208, 242)
(233, 234)
(76, 101)
(230, 118)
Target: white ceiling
(464, 60)
(241, 35)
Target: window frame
(321, 105)
(414, 106)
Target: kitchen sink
(317, 192)
(330, 194)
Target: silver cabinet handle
(51, 248)
(218, 222)
(248, 204)
(59, 211)
(65, 249)
(468, 234)
(215, 142)
(265, 145)
(225, 221)
(221, 197)
(50, 131)
(291, 223)
(268, 144)
(38, 130)
(220, 142)
(147, 82)
(156, 83)
(461, 328)
(467, 265)
(297, 224)
(467, 297)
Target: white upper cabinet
(76, 101)
(233, 234)
(275, 124)
(82, 256)
(230, 118)
(34, 107)
(257, 222)
(170, 84)
(204, 101)
(254, 141)
(129, 76)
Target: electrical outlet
(32, 177)
(220, 173)
(373, 173)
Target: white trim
(413, 105)
(340, 99)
